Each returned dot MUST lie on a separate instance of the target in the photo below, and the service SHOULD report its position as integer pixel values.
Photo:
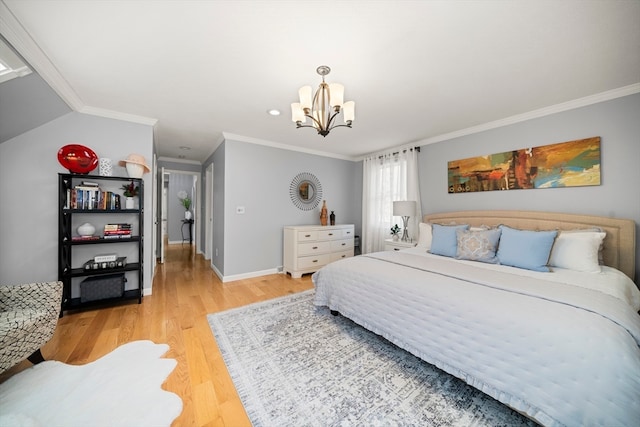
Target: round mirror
(305, 191)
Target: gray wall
(616, 121)
(29, 190)
(26, 103)
(257, 177)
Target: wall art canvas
(566, 164)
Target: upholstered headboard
(619, 249)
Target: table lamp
(405, 209)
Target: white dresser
(309, 247)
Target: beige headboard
(619, 245)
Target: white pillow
(577, 251)
(424, 240)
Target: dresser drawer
(313, 248)
(348, 233)
(304, 236)
(335, 256)
(329, 234)
(340, 245)
(313, 261)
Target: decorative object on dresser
(323, 108)
(120, 389)
(305, 191)
(79, 201)
(394, 233)
(136, 165)
(332, 218)
(309, 247)
(405, 209)
(323, 213)
(307, 367)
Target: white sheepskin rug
(122, 388)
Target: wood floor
(185, 290)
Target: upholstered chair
(28, 317)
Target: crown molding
(546, 111)
(102, 112)
(257, 141)
(22, 41)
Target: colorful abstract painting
(566, 164)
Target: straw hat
(136, 159)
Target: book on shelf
(117, 236)
(117, 232)
(78, 238)
(89, 198)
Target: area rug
(122, 388)
(295, 364)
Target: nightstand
(391, 245)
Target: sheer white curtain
(387, 178)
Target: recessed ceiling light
(184, 147)
(273, 112)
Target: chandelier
(323, 108)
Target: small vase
(332, 218)
(129, 203)
(187, 215)
(86, 229)
(323, 213)
(396, 237)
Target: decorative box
(96, 288)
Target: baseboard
(248, 275)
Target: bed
(560, 346)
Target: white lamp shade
(348, 110)
(404, 208)
(305, 97)
(297, 115)
(336, 94)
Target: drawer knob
(396, 249)
(330, 234)
(307, 235)
(343, 256)
(315, 260)
(315, 247)
(343, 244)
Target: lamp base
(405, 233)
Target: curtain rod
(398, 152)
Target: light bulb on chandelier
(322, 109)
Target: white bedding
(561, 347)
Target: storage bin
(96, 288)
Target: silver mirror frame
(296, 197)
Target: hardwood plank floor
(185, 290)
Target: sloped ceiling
(419, 71)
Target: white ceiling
(419, 71)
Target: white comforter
(559, 352)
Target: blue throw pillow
(525, 248)
(444, 240)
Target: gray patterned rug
(295, 364)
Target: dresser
(307, 248)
